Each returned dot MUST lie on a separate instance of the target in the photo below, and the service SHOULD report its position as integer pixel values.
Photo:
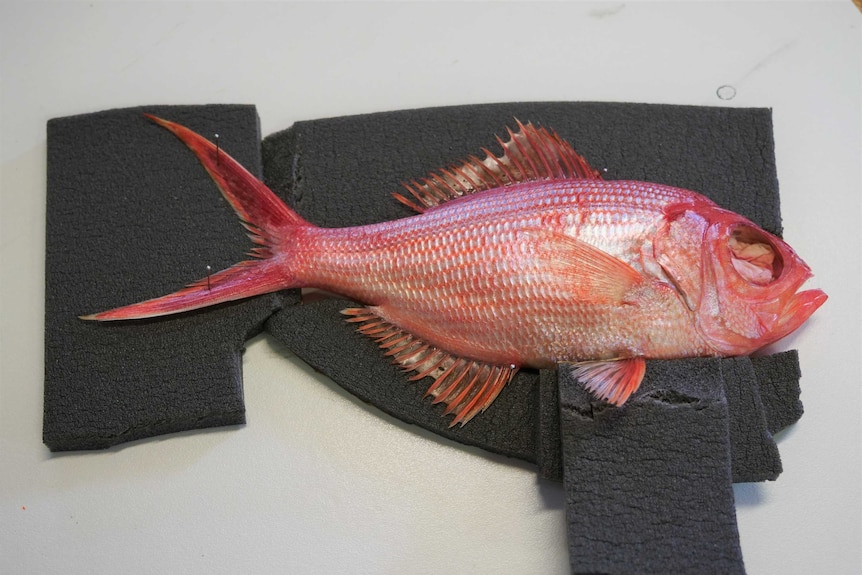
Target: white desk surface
(318, 482)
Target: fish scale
(523, 259)
(460, 264)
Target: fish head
(741, 282)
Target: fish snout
(798, 309)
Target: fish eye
(754, 256)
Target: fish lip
(810, 299)
(796, 311)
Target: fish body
(495, 277)
(524, 259)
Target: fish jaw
(741, 281)
(797, 311)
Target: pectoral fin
(590, 274)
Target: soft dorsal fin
(467, 386)
(530, 154)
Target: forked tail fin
(271, 224)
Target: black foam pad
(165, 227)
(778, 380)
(648, 485)
(753, 452)
(131, 215)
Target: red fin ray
(591, 274)
(261, 211)
(466, 386)
(245, 279)
(612, 380)
(271, 225)
(530, 154)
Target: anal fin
(466, 386)
(612, 380)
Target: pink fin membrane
(614, 380)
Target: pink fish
(525, 259)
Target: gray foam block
(648, 485)
(131, 214)
(778, 380)
(342, 171)
(753, 452)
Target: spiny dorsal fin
(530, 154)
(467, 386)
